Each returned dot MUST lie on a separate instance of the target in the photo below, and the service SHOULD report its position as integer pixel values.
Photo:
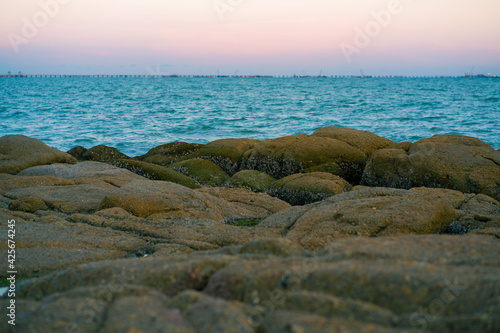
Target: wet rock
(226, 153)
(201, 170)
(368, 212)
(77, 152)
(169, 153)
(255, 180)
(156, 172)
(19, 152)
(289, 155)
(103, 153)
(365, 141)
(261, 204)
(447, 161)
(305, 188)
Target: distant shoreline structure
(242, 76)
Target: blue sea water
(137, 114)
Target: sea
(135, 114)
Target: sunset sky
(279, 37)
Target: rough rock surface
(366, 141)
(370, 212)
(305, 188)
(157, 172)
(201, 170)
(391, 284)
(448, 161)
(252, 179)
(169, 153)
(262, 204)
(103, 153)
(288, 155)
(226, 153)
(19, 152)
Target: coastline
(341, 227)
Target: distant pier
(243, 76)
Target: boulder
(157, 172)
(446, 161)
(254, 180)
(169, 153)
(305, 188)
(289, 155)
(329, 167)
(370, 212)
(411, 283)
(261, 204)
(365, 141)
(201, 170)
(19, 152)
(77, 152)
(226, 153)
(159, 199)
(103, 153)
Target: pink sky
(252, 36)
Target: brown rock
(365, 141)
(19, 152)
(369, 212)
(226, 153)
(289, 155)
(28, 204)
(305, 188)
(103, 153)
(447, 161)
(169, 153)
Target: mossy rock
(157, 172)
(169, 153)
(202, 171)
(289, 155)
(255, 180)
(305, 188)
(103, 153)
(330, 167)
(226, 153)
(77, 152)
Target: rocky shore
(338, 231)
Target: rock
(405, 145)
(203, 171)
(305, 188)
(28, 204)
(17, 182)
(91, 173)
(368, 212)
(255, 180)
(77, 152)
(261, 204)
(409, 283)
(446, 161)
(67, 199)
(226, 153)
(365, 141)
(329, 167)
(169, 153)
(156, 172)
(157, 199)
(476, 213)
(103, 153)
(289, 155)
(19, 152)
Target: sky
(273, 37)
